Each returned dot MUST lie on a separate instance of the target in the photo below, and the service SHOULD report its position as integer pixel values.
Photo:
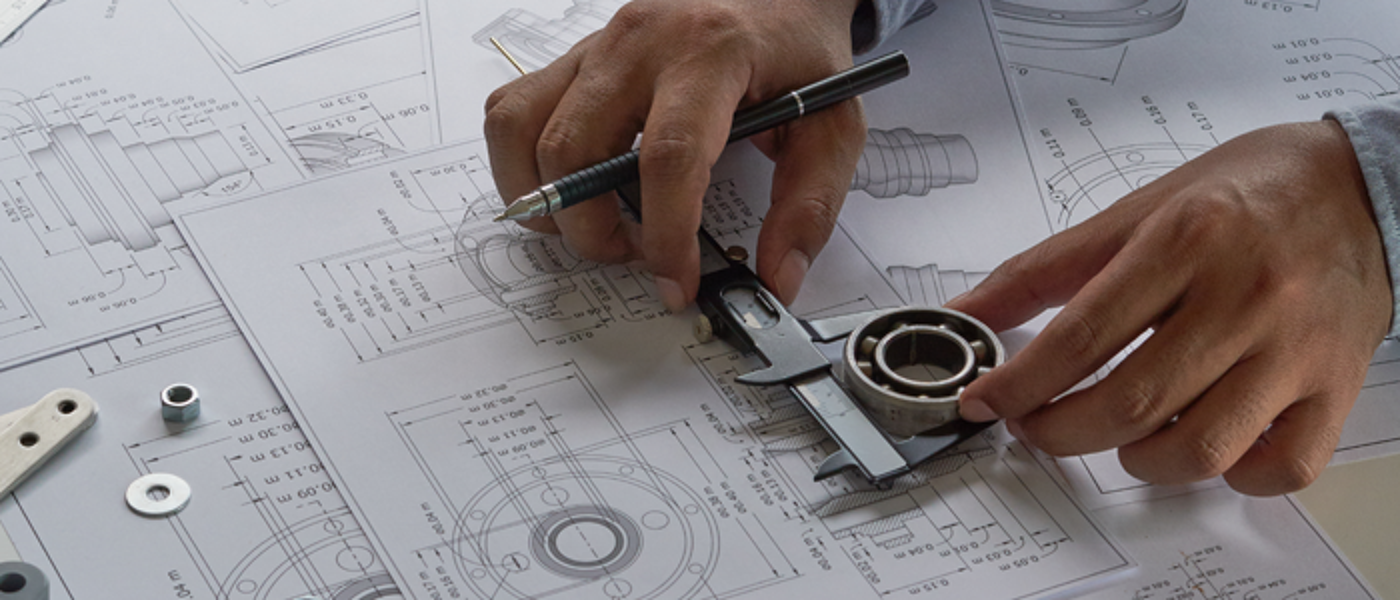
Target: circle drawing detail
(509, 540)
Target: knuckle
(632, 18)
(1138, 410)
(670, 152)
(1203, 458)
(1293, 474)
(1080, 336)
(558, 148)
(1203, 221)
(504, 113)
(717, 23)
(820, 211)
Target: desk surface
(1356, 504)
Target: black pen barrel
(600, 178)
(615, 172)
(811, 98)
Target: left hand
(1259, 268)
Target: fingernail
(671, 294)
(790, 274)
(976, 410)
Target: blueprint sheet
(265, 521)
(110, 113)
(1217, 544)
(509, 420)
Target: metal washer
(22, 581)
(138, 495)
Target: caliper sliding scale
(744, 313)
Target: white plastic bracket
(29, 436)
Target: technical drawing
(1085, 186)
(150, 344)
(1285, 6)
(16, 313)
(266, 521)
(947, 513)
(899, 162)
(257, 470)
(539, 531)
(19, 33)
(419, 289)
(108, 179)
(87, 174)
(327, 152)
(1080, 39)
(521, 273)
(328, 549)
(468, 275)
(1083, 25)
(1206, 573)
(930, 286)
(287, 28)
(551, 506)
(83, 166)
(1332, 70)
(536, 41)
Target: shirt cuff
(876, 21)
(1374, 130)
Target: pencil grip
(601, 178)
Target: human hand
(1260, 270)
(677, 71)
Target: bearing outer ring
(908, 366)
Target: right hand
(677, 71)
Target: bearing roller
(909, 366)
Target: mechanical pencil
(615, 172)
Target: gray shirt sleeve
(1374, 130)
(876, 20)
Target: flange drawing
(1103, 177)
(327, 556)
(1081, 24)
(586, 527)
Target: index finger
(1116, 305)
(687, 128)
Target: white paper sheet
(252, 34)
(500, 383)
(1219, 544)
(465, 67)
(111, 113)
(264, 520)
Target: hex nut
(179, 403)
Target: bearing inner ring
(924, 358)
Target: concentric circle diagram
(1088, 185)
(327, 556)
(586, 527)
(1082, 24)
